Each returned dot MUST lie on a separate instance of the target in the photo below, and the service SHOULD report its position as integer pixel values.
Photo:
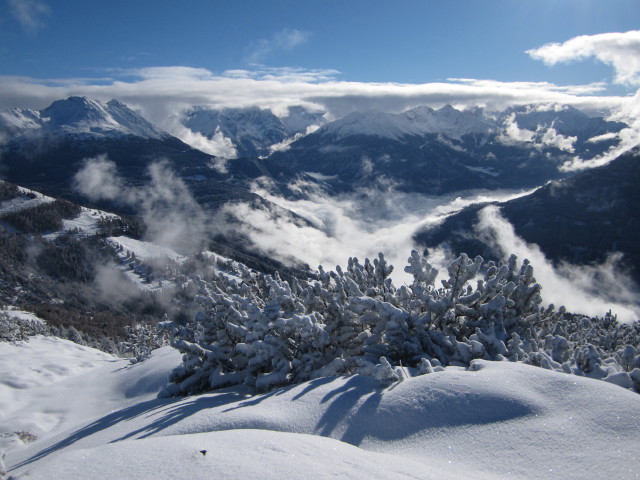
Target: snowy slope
(146, 250)
(24, 202)
(85, 224)
(49, 385)
(496, 421)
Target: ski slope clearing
(496, 420)
(26, 200)
(146, 250)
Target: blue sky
(366, 41)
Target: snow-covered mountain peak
(134, 122)
(80, 116)
(370, 123)
(456, 123)
(76, 113)
(420, 114)
(448, 110)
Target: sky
(328, 55)
(365, 41)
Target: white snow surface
(146, 250)
(87, 221)
(96, 417)
(21, 203)
(20, 119)
(84, 224)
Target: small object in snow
(203, 452)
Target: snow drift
(494, 420)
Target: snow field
(498, 420)
(23, 203)
(146, 250)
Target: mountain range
(421, 150)
(440, 151)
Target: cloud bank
(590, 290)
(162, 93)
(360, 225)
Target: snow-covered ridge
(80, 116)
(31, 199)
(452, 123)
(421, 120)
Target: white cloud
(284, 40)
(542, 137)
(588, 89)
(361, 224)
(31, 14)
(551, 138)
(172, 217)
(513, 134)
(98, 179)
(603, 137)
(284, 145)
(620, 50)
(590, 290)
(629, 112)
(284, 74)
(218, 145)
(163, 91)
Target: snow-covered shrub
(15, 329)
(264, 332)
(256, 332)
(141, 340)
